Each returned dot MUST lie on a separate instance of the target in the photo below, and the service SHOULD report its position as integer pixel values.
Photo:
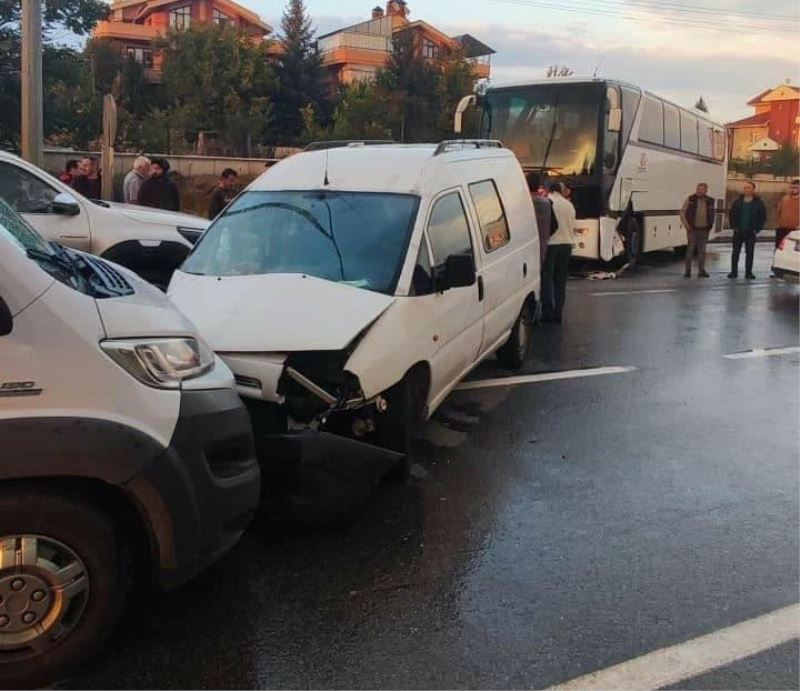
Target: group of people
(148, 183)
(747, 216)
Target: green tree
(219, 82)
(300, 74)
(456, 80)
(701, 105)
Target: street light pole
(32, 116)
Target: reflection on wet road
(550, 529)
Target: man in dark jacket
(697, 216)
(748, 217)
(159, 191)
(223, 194)
(88, 181)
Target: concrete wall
(768, 187)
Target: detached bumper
(203, 491)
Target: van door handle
(480, 289)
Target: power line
(739, 28)
(662, 5)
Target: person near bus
(159, 191)
(224, 193)
(697, 216)
(556, 262)
(788, 213)
(70, 172)
(134, 179)
(748, 216)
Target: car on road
(150, 242)
(786, 264)
(125, 451)
(351, 289)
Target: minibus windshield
(355, 238)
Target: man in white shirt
(556, 262)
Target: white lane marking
(697, 656)
(634, 292)
(539, 378)
(763, 352)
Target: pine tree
(701, 105)
(300, 73)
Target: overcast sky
(726, 50)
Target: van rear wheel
(62, 586)
(515, 351)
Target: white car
(786, 264)
(350, 290)
(150, 242)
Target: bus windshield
(552, 128)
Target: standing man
(159, 191)
(134, 179)
(697, 216)
(748, 217)
(224, 193)
(788, 213)
(88, 182)
(70, 172)
(556, 262)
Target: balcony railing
(357, 41)
(125, 30)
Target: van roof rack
(455, 144)
(346, 143)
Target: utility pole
(32, 117)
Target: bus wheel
(633, 242)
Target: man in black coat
(748, 217)
(159, 191)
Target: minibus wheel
(61, 585)
(515, 351)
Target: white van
(124, 451)
(150, 242)
(351, 289)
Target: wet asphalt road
(550, 530)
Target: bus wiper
(552, 134)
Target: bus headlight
(162, 363)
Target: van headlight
(162, 363)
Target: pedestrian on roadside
(788, 213)
(556, 262)
(134, 179)
(70, 172)
(224, 193)
(88, 181)
(697, 216)
(748, 217)
(159, 191)
(566, 192)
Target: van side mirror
(65, 205)
(6, 319)
(615, 120)
(458, 271)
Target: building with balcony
(357, 52)
(775, 123)
(133, 25)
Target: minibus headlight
(161, 362)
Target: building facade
(357, 52)
(774, 124)
(133, 25)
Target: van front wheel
(61, 586)
(515, 351)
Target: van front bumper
(202, 492)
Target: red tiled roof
(758, 119)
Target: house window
(430, 50)
(180, 17)
(144, 56)
(220, 17)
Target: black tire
(406, 402)
(634, 240)
(515, 352)
(91, 614)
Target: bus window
(672, 127)
(652, 127)
(611, 139)
(630, 105)
(719, 145)
(688, 132)
(706, 143)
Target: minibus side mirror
(6, 319)
(615, 120)
(458, 271)
(65, 205)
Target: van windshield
(356, 238)
(16, 229)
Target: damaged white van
(351, 289)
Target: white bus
(630, 157)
